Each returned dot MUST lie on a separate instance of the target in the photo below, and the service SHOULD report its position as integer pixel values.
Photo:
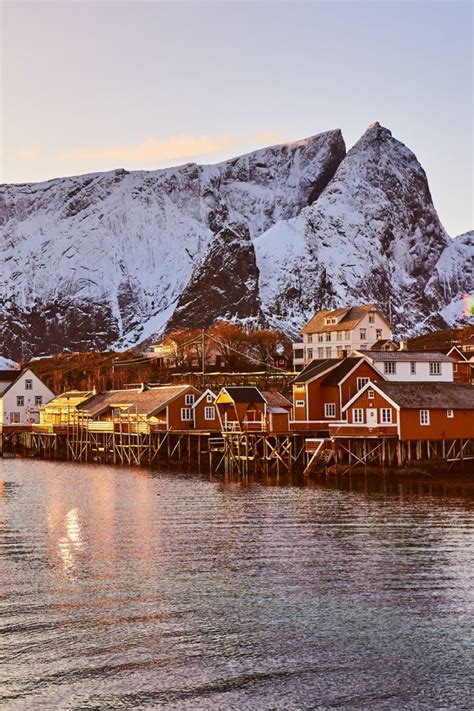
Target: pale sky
(90, 86)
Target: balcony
(349, 430)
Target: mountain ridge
(109, 259)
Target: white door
(371, 416)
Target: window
(309, 353)
(299, 403)
(329, 352)
(298, 354)
(435, 368)
(389, 367)
(209, 398)
(370, 394)
(357, 415)
(189, 399)
(329, 409)
(186, 414)
(424, 417)
(38, 400)
(363, 334)
(20, 400)
(310, 337)
(339, 336)
(385, 415)
(339, 351)
(209, 413)
(378, 333)
(361, 382)
(371, 318)
(320, 337)
(413, 368)
(320, 353)
(450, 413)
(347, 335)
(328, 336)
(28, 385)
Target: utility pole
(203, 354)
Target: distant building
(331, 333)
(411, 366)
(169, 353)
(22, 394)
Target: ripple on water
(124, 588)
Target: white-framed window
(320, 337)
(209, 398)
(424, 417)
(413, 368)
(189, 399)
(435, 368)
(209, 413)
(450, 413)
(347, 335)
(186, 414)
(320, 353)
(361, 382)
(357, 415)
(28, 385)
(309, 353)
(310, 337)
(339, 350)
(386, 415)
(389, 367)
(20, 401)
(38, 400)
(378, 333)
(299, 403)
(329, 409)
(363, 334)
(329, 352)
(328, 336)
(339, 336)
(370, 394)
(371, 318)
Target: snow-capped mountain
(110, 259)
(101, 260)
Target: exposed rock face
(224, 285)
(110, 259)
(101, 260)
(373, 235)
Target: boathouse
(205, 412)
(277, 411)
(409, 411)
(241, 408)
(322, 389)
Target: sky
(92, 86)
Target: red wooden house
(205, 412)
(165, 407)
(277, 411)
(322, 389)
(241, 408)
(409, 411)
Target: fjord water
(126, 588)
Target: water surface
(126, 588)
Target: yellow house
(62, 410)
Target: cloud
(181, 147)
(27, 154)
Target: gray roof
(407, 355)
(315, 368)
(451, 396)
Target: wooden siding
(461, 426)
(200, 423)
(364, 402)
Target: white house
(329, 333)
(22, 394)
(411, 366)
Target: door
(371, 416)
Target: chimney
(342, 355)
(143, 387)
(403, 346)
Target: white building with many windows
(329, 333)
(22, 394)
(411, 366)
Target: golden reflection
(71, 543)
